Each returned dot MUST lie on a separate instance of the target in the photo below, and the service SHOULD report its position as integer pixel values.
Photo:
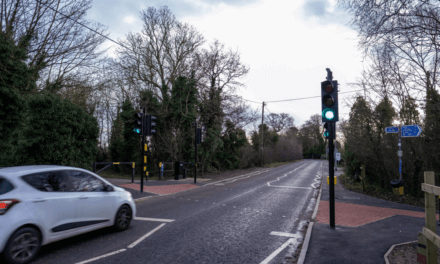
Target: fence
(162, 166)
(429, 241)
(109, 164)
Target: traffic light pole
(144, 147)
(331, 164)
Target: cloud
(318, 8)
(323, 12)
(129, 19)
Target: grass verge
(277, 164)
(378, 192)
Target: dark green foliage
(131, 141)
(124, 146)
(233, 139)
(183, 112)
(16, 80)
(56, 132)
(431, 130)
(270, 137)
(351, 163)
(212, 116)
(117, 140)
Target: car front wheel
(23, 246)
(123, 218)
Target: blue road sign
(411, 131)
(391, 130)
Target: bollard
(132, 175)
(328, 180)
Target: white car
(44, 203)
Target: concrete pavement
(366, 227)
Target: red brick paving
(356, 215)
(167, 189)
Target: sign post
(411, 131)
(404, 131)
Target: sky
(287, 45)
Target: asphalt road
(252, 219)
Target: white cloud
(287, 53)
(286, 49)
(129, 19)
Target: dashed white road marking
(318, 180)
(285, 175)
(223, 182)
(284, 234)
(154, 219)
(145, 236)
(276, 252)
(103, 256)
(292, 187)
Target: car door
(95, 206)
(52, 202)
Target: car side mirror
(109, 188)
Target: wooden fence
(429, 241)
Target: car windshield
(5, 186)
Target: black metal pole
(332, 178)
(400, 149)
(195, 143)
(144, 168)
(94, 167)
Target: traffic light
(150, 125)
(329, 101)
(327, 130)
(138, 124)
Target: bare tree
(218, 71)
(406, 29)
(67, 46)
(280, 122)
(159, 54)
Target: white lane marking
(292, 187)
(285, 175)
(145, 236)
(154, 219)
(103, 256)
(318, 180)
(276, 252)
(223, 182)
(284, 234)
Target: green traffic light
(137, 130)
(326, 134)
(328, 114)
